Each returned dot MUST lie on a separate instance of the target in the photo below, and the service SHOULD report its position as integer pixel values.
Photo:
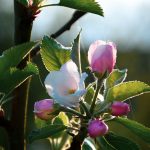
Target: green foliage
(53, 54)
(135, 127)
(84, 5)
(62, 138)
(126, 90)
(46, 132)
(116, 77)
(14, 77)
(24, 2)
(120, 143)
(88, 144)
(13, 56)
(89, 95)
(104, 144)
(75, 53)
(10, 75)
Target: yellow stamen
(71, 91)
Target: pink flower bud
(1, 113)
(120, 109)
(102, 56)
(44, 108)
(97, 128)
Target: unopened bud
(43, 109)
(97, 128)
(120, 108)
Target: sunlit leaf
(75, 53)
(126, 90)
(53, 54)
(116, 77)
(84, 5)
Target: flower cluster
(66, 87)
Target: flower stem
(88, 114)
(23, 27)
(98, 88)
(69, 110)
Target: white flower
(66, 86)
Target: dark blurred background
(126, 23)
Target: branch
(77, 15)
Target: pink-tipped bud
(1, 113)
(97, 128)
(102, 56)
(44, 108)
(120, 109)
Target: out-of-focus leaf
(126, 90)
(84, 5)
(103, 144)
(24, 2)
(135, 127)
(46, 132)
(13, 56)
(13, 77)
(120, 143)
(116, 77)
(53, 54)
(88, 145)
(63, 139)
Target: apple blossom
(102, 56)
(97, 128)
(44, 108)
(66, 86)
(120, 108)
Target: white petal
(69, 66)
(67, 101)
(83, 77)
(60, 82)
(79, 93)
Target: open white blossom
(66, 86)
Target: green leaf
(88, 144)
(89, 95)
(46, 132)
(84, 5)
(120, 143)
(24, 2)
(13, 56)
(126, 90)
(116, 77)
(135, 127)
(61, 119)
(14, 77)
(75, 53)
(104, 144)
(62, 138)
(53, 54)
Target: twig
(77, 15)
